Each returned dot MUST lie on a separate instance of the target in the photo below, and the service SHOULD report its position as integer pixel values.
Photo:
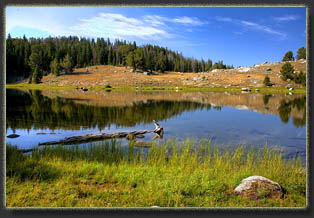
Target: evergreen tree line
(27, 110)
(34, 57)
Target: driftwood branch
(98, 137)
(94, 137)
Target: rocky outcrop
(258, 187)
(244, 69)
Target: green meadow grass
(264, 90)
(169, 174)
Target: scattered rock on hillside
(244, 69)
(257, 187)
(217, 70)
(195, 78)
(302, 60)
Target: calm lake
(227, 119)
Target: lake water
(227, 119)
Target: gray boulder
(258, 187)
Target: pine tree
(67, 64)
(109, 56)
(149, 62)
(176, 65)
(139, 58)
(130, 60)
(55, 67)
(301, 54)
(35, 59)
(287, 71)
(36, 75)
(288, 56)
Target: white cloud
(225, 19)
(262, 28)
(286, 18)
(189, 21)
(119, 26)
(159, 20)
(112, 25)
(155, 20)
(252, 25)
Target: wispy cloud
(155, 20)
(224, 19)
(119, 26)
(252, 25)
(286, 18)
(160, 20)
(189, 21)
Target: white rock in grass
(256, 187)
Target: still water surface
(227, 119)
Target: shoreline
(264, 90)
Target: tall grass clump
(170, 174)
(106, 152)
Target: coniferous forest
(35, 57)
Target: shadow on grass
(24, 167)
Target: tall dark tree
(288, 56)
(301, 54)
(67, 64)
(55, 67)
(37, 75)
(130, 60)
(287, 71)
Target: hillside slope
(122, 76)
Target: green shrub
(267, 81)
(300, 78)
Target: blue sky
(241, 36)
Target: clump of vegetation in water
(169, 174)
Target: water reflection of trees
(27, 110)
(286, 107)
(33, 110)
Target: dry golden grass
(121, 76)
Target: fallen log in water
(94, 137)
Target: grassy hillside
(102, 75)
